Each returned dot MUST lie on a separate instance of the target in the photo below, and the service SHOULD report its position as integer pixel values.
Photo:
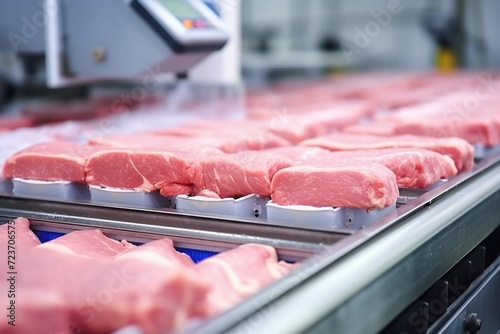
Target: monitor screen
(180, 9)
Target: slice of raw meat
(106, 294)
(414, 168)
(91, 243)
(312, 124)
(458, 149)
(19, 230)
(234, 136)
(158, 252)
(452, 116)
(143, 170)
(239, 273)
(475, 131)
(153, 141)
(299, 154)
(50, 161)
(354, 185)
(38, 311)
(239, 174)
(12, 123)
(371, 128)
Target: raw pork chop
(153, 141)
(355, 184)
(239, 273)
(106, 294)
(50, 161)
(91, 243)
(235, 136)
(414, 168)
(475, 131)
(24, 237)
(299, 154)
(458, 149)
(239, 174)
(143, 169)
(12, 123)
(38, 311)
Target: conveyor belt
(344, 272)
(375, 273)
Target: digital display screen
(180, 9)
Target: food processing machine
(430, 266)
(79, 42)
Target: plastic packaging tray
(60, 190)
(250, 206)
(139, 199)
(5, 185)
(406, 194)
(481, 151)
(323, 218)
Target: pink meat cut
(50, 161)
(239, 174)
(12, 123)
(143, 170)
(296, 128)
(414, 168)
(458, 149)
(147, 288)
(91, 243)
(24, 237)
(160, 292)
(355, 184)
(157, 251)
(239, 273)
(475, 131)
(371, 128)
(478, 131)
(451, 117)
(38, 311)
(299, 154)
(235, 136)
(154, 141)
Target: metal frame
(376, 280)
(392, 261)
(481, 298)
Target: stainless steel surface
(408, 251)
(482, 298)
(291, 244)
(389, 265)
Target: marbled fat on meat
(239, 174)
(143, 169)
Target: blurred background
(269, 41)
(285, 37)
